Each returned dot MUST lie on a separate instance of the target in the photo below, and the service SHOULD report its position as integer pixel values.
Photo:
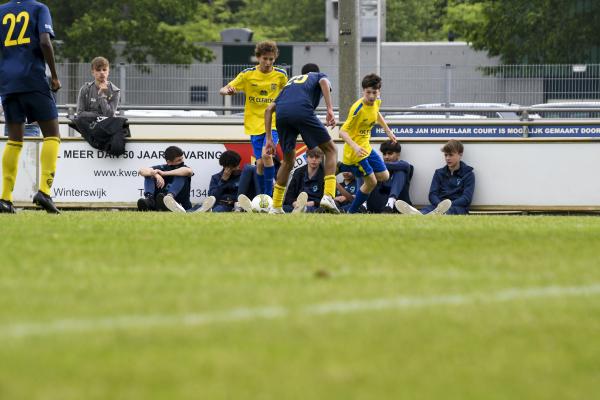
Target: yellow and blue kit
(260, 89)
(360, 122)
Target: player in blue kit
(295, 114)
(26, 34)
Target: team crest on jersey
(273, 86)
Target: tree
(415, 20)
(533, 31)
(135, 29)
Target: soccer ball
(262, 203)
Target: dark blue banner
(472, 131)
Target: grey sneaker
(277, 210)
(245, 203)
(300, 203)
(442, 208)
(172, 204)
(406, 208)
(328, 204)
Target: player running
(261, 85)
(26, 34)
(359, 157)
(295, 109)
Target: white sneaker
(442, 208)
(405, 208)
(207, 205)
(277, 210)
(300, 203)
(172, 204)
(245, 203)
(328, 204)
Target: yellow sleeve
(239, 82)
(352, 119)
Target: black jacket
(301, 182)
(103, 133)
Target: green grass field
(123, 305)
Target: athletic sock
(278, 192)
(10, 164)
(358, 200)
(330, 185)
(48, 163)
(261, 182)
(269, 175)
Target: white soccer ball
(262, 203)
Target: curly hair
(267, 46)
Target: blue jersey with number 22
(22, 67)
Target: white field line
(94, 325)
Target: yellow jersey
(358, 125)
(261, 90)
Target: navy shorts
(312, 130)
(366, 166)
(29, 106)
(258, 142)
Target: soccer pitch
(125, 305)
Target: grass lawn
(125, 305)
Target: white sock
(391, 202)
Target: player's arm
(181, 171)
(48, 51)
(227, 90)
(326, 90)
(386, 128)
(344, 194)
(269, 144)
(357, 149)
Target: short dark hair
(229, 158)
(390, 147)
(453, 146)
(315, 152)
(310, 67)
(172, 152)
(371, 81)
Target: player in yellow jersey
(261, 85)
(359, 157)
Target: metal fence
(198, 84)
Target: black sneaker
(6, 207)
(387, 210)
(146, 204)
(45, 201)
(160, 202)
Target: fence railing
(198, 84)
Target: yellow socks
(278, 192)
(48, 163)
(10, 164)
(330, 186)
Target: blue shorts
(29, 106)
(258, 142)
(366, 166)
(312, 130)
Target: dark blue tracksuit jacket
(458, 187)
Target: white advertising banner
(516, 173)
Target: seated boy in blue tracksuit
(452, 186)
(231, 182)
(385, 194)
(346, 190)
(167, 183)
(306, 188)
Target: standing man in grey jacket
(99, 97)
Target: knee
(383, 177)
